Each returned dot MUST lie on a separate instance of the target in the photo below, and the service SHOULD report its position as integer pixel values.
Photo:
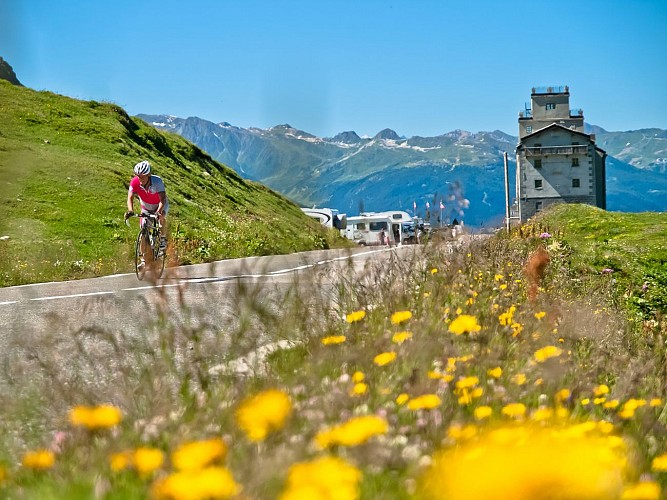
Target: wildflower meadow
(500, 369)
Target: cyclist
(152, 197)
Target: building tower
(556, 161)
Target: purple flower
(545, 235)
(644, 287)
(606, 270)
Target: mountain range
(462, 170)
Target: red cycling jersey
(148, 196)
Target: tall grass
(519, 339)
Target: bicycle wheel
(142, 254)
(160, 256)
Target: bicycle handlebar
(144, 216)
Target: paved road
(209, 290)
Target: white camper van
(369, 229)
(329, 217)
(398, 218)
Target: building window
(529, 129)
(538, 162)
(550, 105)
(575, 183)
(538, 183)
(538, 206)
(575, 162)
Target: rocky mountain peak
(387, 134)
(7, 73)
(349, 137)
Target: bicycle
(147, 253)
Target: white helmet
(142, 168)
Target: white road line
(73, 295)
(192, 280)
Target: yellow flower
(424, 402)
(547, 352)
(540, 315)
(333, 339)
(197, 484)
(505, 318)
(612, 404)
(401, 337)
(542, 414)
(467, 382)
(354, 432)
(399, 317)
(384, 358)
(402, 399)
(495, 372)
(655, 402)
(498, 277)
(482, 412)
(198, 454)
(659, 463)
(519, 379)
(147, 460)
(464, 323)
(322, 478)
(358, 377)
(261, 414)
(39, 459)
(434, 270)
(514, 410)
(95, 417)
(562, 395)
(646, 490)
(120, 461)
(601, 390)
(527, 462)
(355, 316)
(359, 389)
(459, 432)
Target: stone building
(557, 162)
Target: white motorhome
(369, 229)
(398, 218)
(329, 217)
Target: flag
(414, 206)
(428, 205)
(442, 205)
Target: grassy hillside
(65, 166)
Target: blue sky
(420, 67)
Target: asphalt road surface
(122, 302)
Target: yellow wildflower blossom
(540, 315)
(562, 395)
(467, 382)
(519, 379)
(197, 484)
(263, 413)
(464, 323)
(547, 352)
(434, 270)
(198, 454)
(527, 462)
(358, 377)
(354, 432)
(655, 402)
(495, 372)
(402, 399)
(505, 318)
(482, 412)
(399, 317)
(645, 490)
(355, 316)
(401, 337)
(39, 459)
(424, 402)
(120, 461)
(359, 389)
(384, 358)
(659, 463)
(147, 460)
(459, 432)
(333, 339)
(514, 410)
(322, 478)
(601, 390)
(95, 417)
